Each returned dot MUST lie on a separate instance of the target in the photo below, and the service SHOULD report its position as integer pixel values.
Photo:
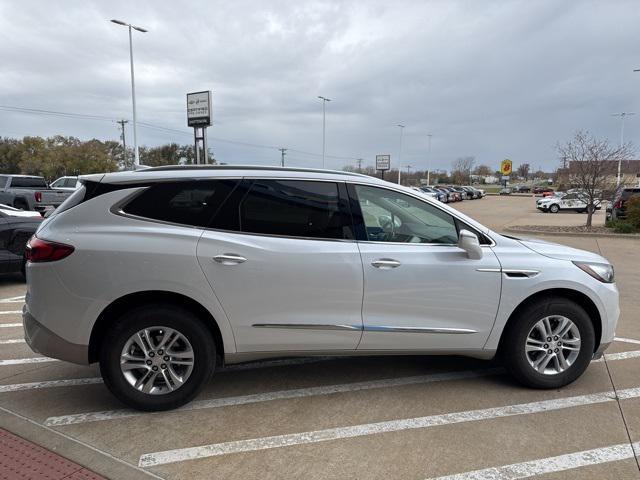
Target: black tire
(20, 204)
(515, 337)
(554, 208)
(170, 316)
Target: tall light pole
(400, 151)
(133, 87)
(622, 116)
(429, 160)
(324, 124)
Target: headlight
(600, 271)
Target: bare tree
(592, 165)
(483, 171)
(461, 172)
(523, 170)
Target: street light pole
(324, 125)
(429, 160)
(622, 116)
(400, 151)
(133, 87)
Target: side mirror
(468, 241)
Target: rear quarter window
(192, 203)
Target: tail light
(618, 204)
(39, 250)
(38, 196)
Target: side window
(57, 183)
(295, 208)
(192, 203)
(394, 217)
(70, 182)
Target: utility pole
(124, 142)
(622, 116)
(359, 160)
(408, 171)
(283, 151)
(400, 151)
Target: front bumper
(44, 341)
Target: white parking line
(543, 466)
(23, 361)
(278, 441)
(627, 340)
(18, 299)
(11, 341)
(277, 395)
(71, 382)
(10, 325)
(621, 355)
(11, 312)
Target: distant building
(629, 169)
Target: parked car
(481, 192)
(161, 274)
(618, 205)
(29, 192)
(464, 195)
(522, 189)
(440, 195)
(542, 189)
(472, 193)
(16, 227)
(450, 196)
(571, 201)
(552, 193)
(424, 192)
(67, 184)
(453, 195)
(505, 191)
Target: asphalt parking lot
(366, 418)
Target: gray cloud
(492, 79)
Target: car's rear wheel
(157, 357)
(550, 344)
(554, 208)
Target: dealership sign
(199, 109)
(383, 162)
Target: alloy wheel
(157, 360)
(553, 345)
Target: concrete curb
(629, 236)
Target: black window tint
(295, 208)
(188, 203)
(28, 182)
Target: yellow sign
(505, 166)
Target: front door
(421, 290)
(290, 277)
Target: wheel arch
(574, 295)
(120, 305)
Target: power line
(55, 113)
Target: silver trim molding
(309, 326)
(446, 330)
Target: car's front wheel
(550, 344)
(554, 208)
(157, 357)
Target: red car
(542, 190)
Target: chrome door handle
(386, 263)
(229, 259)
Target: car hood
(561, 252)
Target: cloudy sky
(492, 79)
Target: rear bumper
(44, 341)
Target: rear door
(282, 260)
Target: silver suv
(162, 274)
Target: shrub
(623, 227)
(633, 212)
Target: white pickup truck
(30, 192)
(576, 202)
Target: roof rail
(247, 167)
